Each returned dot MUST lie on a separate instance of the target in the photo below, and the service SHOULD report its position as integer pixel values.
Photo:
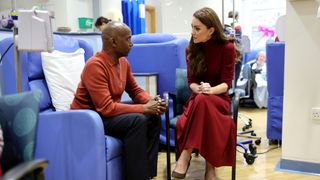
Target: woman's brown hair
(195, 58)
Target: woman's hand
(205, 88)
(196, 88)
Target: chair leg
(176, 147)
(235, 155)
(234, 172)
(235, 119)
(168, 146)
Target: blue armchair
(160, 53)
(73, 141)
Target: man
(104, 78)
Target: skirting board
(299, 167)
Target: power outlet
(315, 113)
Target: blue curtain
(133, 12)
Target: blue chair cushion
(182, 95)
(18, 119)
(41, 85)
(114, 148)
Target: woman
(101, 22)
(206, 124)
(260, 91)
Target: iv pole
(233, 83)
(222, 12)
(16, 51)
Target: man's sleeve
(96, 81)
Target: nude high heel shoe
(180, 175)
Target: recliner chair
(73, 141)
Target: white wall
(75, 9)
(174, 16)
(66, 11)
(111, 9)
(6, 4)
(255, 13)
(301, 83)
(158, 11)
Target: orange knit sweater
(102, 83)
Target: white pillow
(62, 72)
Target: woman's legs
(210, 172)
(183, 161)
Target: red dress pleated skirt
(206, 125)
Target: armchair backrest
(183, 91)
(159, 53)
(275, 68)
(31, 67)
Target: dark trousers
(140, 135)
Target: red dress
(206, 123)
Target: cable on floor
(270, 149)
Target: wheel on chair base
(257, 142)
(249, 158)
(245, 127)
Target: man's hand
(155, 106)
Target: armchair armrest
(170, 96)
(74, 143)
(19, 171)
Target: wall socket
(315, 113)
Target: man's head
(116, 39)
